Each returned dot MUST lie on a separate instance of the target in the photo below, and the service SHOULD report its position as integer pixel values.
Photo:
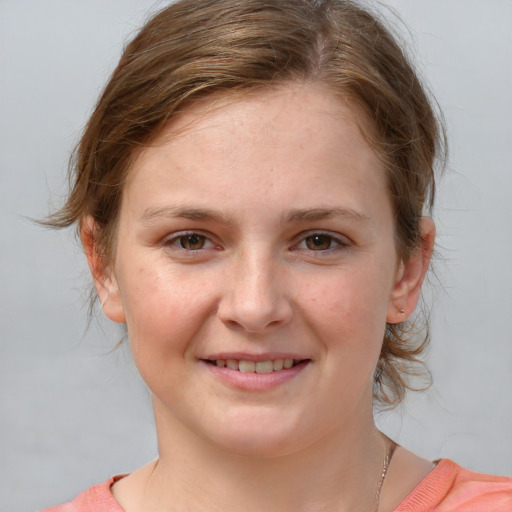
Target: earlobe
(410, 276)
(105, 281)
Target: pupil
(193, 242)
(316, 242)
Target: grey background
(73, 411)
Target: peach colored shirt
(447, 488)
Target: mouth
(255, 372)
(247, 366)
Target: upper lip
(245, 356)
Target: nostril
(233, 324)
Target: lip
(248, 381)
(245, 356)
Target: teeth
(278, 364)
(255, 367)
(247, 366)
(264, 367)
(232, 364)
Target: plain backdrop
(73, 410)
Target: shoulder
(450, 488)
(98, 498)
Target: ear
(104, 279)
(410, 276)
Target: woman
(251, 193)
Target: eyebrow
(314, 214)
(203, 214)
(206, 214)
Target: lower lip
(251, 381)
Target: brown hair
(195, 48)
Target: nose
(255, 297)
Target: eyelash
(179, 239)
(176, 241)
(335, 243)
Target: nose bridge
(256, 299)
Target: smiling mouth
(255, 366)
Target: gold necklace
(385, 466)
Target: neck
(339, 472)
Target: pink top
(447, 488)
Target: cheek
(353, 295)
(163, 310)
(350, 304)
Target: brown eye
(318, 242)
(192, 242)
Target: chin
(257, 445)
(260, 436)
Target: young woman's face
(252, 237)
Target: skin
(292, 252)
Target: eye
(321, 242)
(191, 242)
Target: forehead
(322, 101)
(303, 106)
(268, 140)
